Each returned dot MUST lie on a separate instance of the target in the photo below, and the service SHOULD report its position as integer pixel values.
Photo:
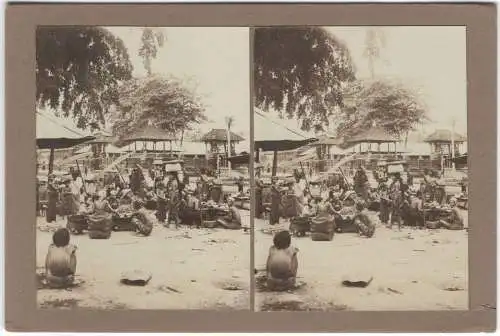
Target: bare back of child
(282, 263)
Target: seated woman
(233, 219)
(141, 219)
(189, 211)
(455, 220)
(366, 228)
(60, 263)
(282, 263)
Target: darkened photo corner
(142, 174)
(360, 163)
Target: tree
(158, 101)
(78, 71)
(300, 72)
(388, 105)
(152, 39)
(375, 41)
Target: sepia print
(143, 168)
(360, 139)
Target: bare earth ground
(411, 270)
(190, 268)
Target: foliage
(158, 101)
(375, 41)
(300, 72)
(380, 103)
(152, 39)
(78, 71)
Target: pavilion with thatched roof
(216, 144)
(441, 142)
(149, 135)
(373, 140)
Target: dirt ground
(411, 270)
(190, 268)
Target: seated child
(233, 219)
(60, 263)
(455, 220)
(141, 219)
(362, 220)
(282, 263)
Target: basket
(76, 224)
(210, 224)
(317, 236)
(300, 225)
(95, 234)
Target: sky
(429, 60)
(215, 61)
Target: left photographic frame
(142, 138)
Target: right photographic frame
(360, 164)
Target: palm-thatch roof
(374, 134)
(444, 136)
(101, 139)
(220, 134)
(52, 134)
(327, 140)
(150, 133)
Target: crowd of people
(400, 202)
(156, 195)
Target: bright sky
(429, 60)
(215, 60)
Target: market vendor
(385, 203)
(396, 197)
(161, 199)
(361, 183)
(233, 219)
(53, 198)
(274, 217)
(189, 210)
(173, 198)
(259, 185)
(365, 225)
(455, 220)
(141, 219)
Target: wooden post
(51, 160)
(275, 163)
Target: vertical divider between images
(251, 32)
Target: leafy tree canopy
(152, 39)
(300, 72)
(78, 71)
(158, 101)
(383, 104)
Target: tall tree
(300, 72)
(157, 101)
(384, 104)
(375, 41)
(151, 40)
(78, 71)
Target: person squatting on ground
(455, 220)
(362, 220)
(60, 262)
(141, 219)
(282, 263)
(233, 219)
